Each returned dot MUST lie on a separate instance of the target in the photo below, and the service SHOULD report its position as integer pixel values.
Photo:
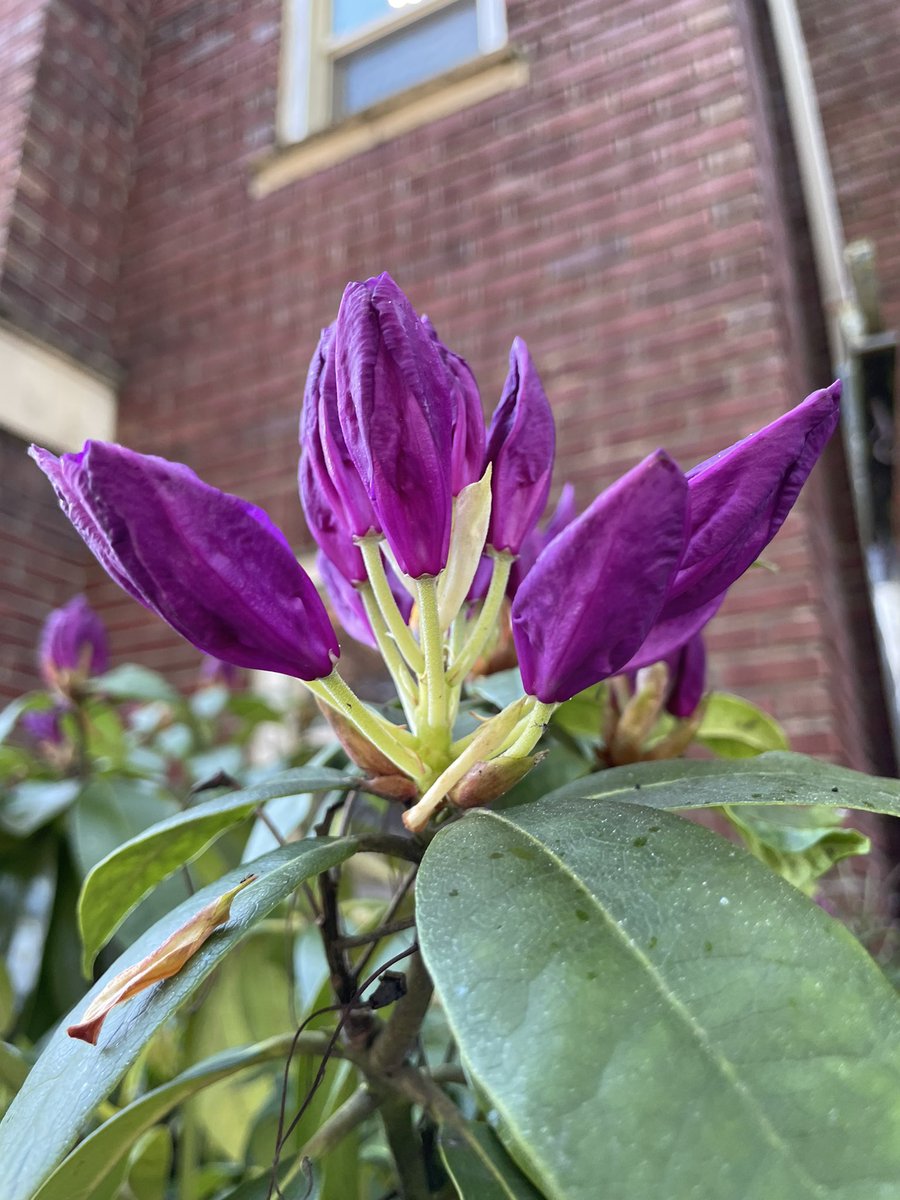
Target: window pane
(410, 55)
(349, 15)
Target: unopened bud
(359, 749)
(392, 787)
(487, 781)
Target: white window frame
(308, 52)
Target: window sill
(502, 71)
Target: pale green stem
(490, 737)
(457, 638)
(531, 734)
(487, 619)
(399, 630)
(433, 646)
(388, 738)
(393, 659)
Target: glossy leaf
(9, 716)
(91, 1162)
(121, 880)
(800, 843)
(27, 888)
(778, 777)
(110, 811)
(70, 1078)
(34, 803)
(133, 682)
(734, 728)
(13, 1067)
(480, 1168)
(163, 962)
(652, 1013)
(499, 689)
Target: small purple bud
(73, 643)
(210, 564)
(521, 443)
(395, 405)
(345, 600)
(45, 726)
(594, 593)
(687, 678)
(563, 515)
(468, 432)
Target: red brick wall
(21, 30)
(64, 222)
(44, 563)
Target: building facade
(185, 188)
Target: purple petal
(73, 639)
(521, 445)
(687, 674)
(563, 515)
(325, 517)
(468, 432)
(346, 601)
(322, 439)
(740, 498)
(596, 590)
(212, 565)
(395, 406)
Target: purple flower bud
(740, 498)
(322, 440)
(345, 600)
(395, 405)
(324, 517)
(468, 432)
(595, 591)
(521, 444)
(212, 565)
(45, 726)
(687, 677)
(73, 643)
(563, 515)
(738, 502)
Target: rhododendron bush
(467, 944)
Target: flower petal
(210, 564)
(596, 590)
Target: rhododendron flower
(73, 644)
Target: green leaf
(71, 1078)
(110, 811)
(9, 716)
(652, 1013)
(778, 777)
(149, 1165)
(91, 1162)
(27, 889)
(582, 716)
(734, 728)
(131, 682)
(480, 1168)
(801, 844)
(294, 1183)
(120, 881)
(34, 803)
(499, 689)
(251, 1001)
(13, 1067)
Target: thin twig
(389, 915)
(376, 935)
